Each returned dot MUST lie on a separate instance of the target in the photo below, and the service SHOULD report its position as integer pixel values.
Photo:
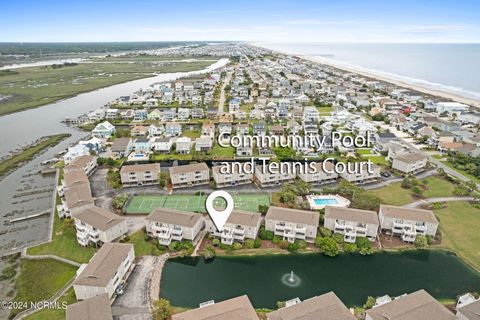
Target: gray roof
(176, 217)
(244, 218)
(293, 215)
(408, 213)
(324, 307)
(120, 144)
(78, 196)
(99, 218)
(351, 214)
(95, 308)
(238, 308)
(75, 178)
(417, 305)
(188, 168)
(410, 157)
(140, 167)
(103, 265)
(471, 311)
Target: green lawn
(147, 203)
(463, 172)
(35, 86)
(222, 152)
(324, 109)
(380, 160)
(64, 243)
(40, 279)
(55, 314)
(170, 156)
(364, 151)
(459, 223)
(142, 247)
(29, 152)
(394, 194)
(191, 133)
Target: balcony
(339, 226)
(300, 230)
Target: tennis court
(145, 204)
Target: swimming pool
(319, 201)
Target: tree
(350, 247)
(421, 242)
(364, 245)
(265, 234)
(325, 232)
(162, 309)
(417, 191)
(406, 183)
(369, 303)
(257, 243)
(119, 201)
(263, 208)
(249, 243)
(209, 253)
(328, 246)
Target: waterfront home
(451, 107)
(233, 105)
(75, 199)
(169, 225)
(162, 145)
(319, 176)
(265, 178)
(98, 226)
(183, 114)
(112, 113)
(233, 309)
(108, 269)
(189, 175)
(155, 114)
(325, 307)
(142, 145)
(86, 163)
(203, 143)
(183, 145)
(242, 129)
(140, 174)
(208, 129)
(73, 179)
(139, 131)
(140, 115)
(75, 152)
(410, 163)
(468, 307)
(94, 308)
(352, 223)
(236, 176)
(155, 130)
(121, 147)
(197, 113)
(173, 129)
(407, 223)
(362, 175)
(244, 151)
(240, 225)
(259, 129)
(310, 113)
(104, 130)
(292, 224)
(417, 305)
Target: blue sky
(275, 21)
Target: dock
(32, 216)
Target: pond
(268, 279)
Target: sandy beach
(437, 93)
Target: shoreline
(372, 75)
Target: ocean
(453, 68)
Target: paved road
(420, 202)
(221, 100)
(133, 304)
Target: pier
(32, 216)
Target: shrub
(350, 247)
(209, 253)
(119, 201)
(215, 242)
(280, 304)
(302, 244)
(364, 246)
(277, 239)
(8, 273)
(262, 209)
(162, 309)
(338, 237)
(325, 232)
(429, 239)
(249, 243)
(327, 246)
(257, 243)
(265, 234)
(293, 247)
(237, 246)
(174, 246)
(283, 244)
(369, 303)
(421, 242)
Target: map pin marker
(219, 218)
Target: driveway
(133, 303)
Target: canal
(267, 279)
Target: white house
(104, 130)
(75, 152)
(352, 223)
(292, 224)
(240, 225)
(409, 162)
(324, 173)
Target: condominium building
(140, 174)
(266, 178)
(362, 175)
(97, 225)
(107, 270)
(189, 175)
(410, 162)
(72, 179)
(240, 225)
(352, 223)
(407, 223)
(469, 310)
(86, 163)
(292, 224)
(325, 307)
(320, 176)
(237, 176)
(94, 308)
(233, 309)
(75, 200)
(169, 225)
(417, 305)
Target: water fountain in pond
(291, 279)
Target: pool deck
(340, 201)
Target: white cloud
(440, 28)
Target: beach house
(352, 223)
(140, 174)
(292, 224)
(240, 225)
(189, 175)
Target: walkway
(421, 202)
(221, 100)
